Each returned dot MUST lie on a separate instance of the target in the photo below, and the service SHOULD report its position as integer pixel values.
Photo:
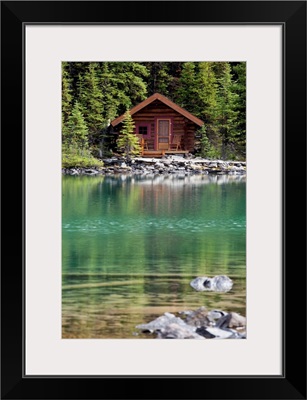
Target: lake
(132, 244)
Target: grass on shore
(73, 157)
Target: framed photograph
(158, 174)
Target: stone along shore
(167, 165)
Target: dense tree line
(94, 93)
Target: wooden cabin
(162, 126)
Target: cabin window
(143, 130)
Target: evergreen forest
(94, 93)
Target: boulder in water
(219, 283)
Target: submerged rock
(237, 321)
(218, 333)
(222, 329)
(219, 283)
(197, 324)
(198, 317)
(202, 331)
(161, 323)
(177, 331)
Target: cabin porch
(161, 153)
(148, 149)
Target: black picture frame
(292, 383)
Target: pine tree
(207, 150)
(187, 93)
(75, 70)
(207, 91)
(159, 78)
(90, 98)
(75, 132)
(128, 82)
(227, 114)
(107, 84)
(197, 90)
(207, 94)
(239, 71)
(128, 142)
(66, 93)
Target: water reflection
(131, 245)
(174, 179)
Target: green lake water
(132, 244)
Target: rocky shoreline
(167, 165)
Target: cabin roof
(163, 99)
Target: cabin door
(163, 134)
